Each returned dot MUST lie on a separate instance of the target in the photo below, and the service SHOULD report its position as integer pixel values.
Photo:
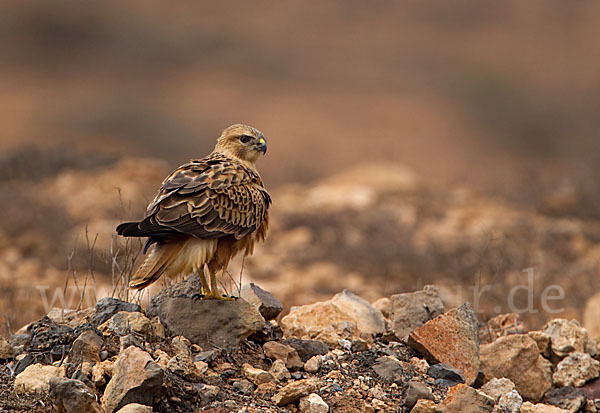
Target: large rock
(209, 323)
(322, 321)
(576, 369)
(73, 396)
(368, 319)
(567, 336)
(345, 316)
(36, 378)
(451, 338)
(412, 310)
(268, 306)
(135, 408)
(517, 358)
(136, 379)
(107, 307)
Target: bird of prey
(206, 212)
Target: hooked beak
(262, 145)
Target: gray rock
(86, 348)
(243, 387)
(107, 307)
(496, 388)
(136, 379)
(415, 391)
(576, 369)
(207, 392)
(72, 396)
(445, 375)
(307, 348)
(388, 368)
(510, 402)
(412, 310)
(208, 323)
(268, 306)
(567, 336)
(206, 356)
(568, 398)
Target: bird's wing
(208, 198)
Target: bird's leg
(213, 294)
(205, 288)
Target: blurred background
(454, 143)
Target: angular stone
(517, 358)
(313, 364)
(86, 348)
(124, 322)
(208, 393)
(369, 320)
(287, 354)
(510, 402)
(412, 310)
(6, 349)
(256, 376)
(294, 391)
(462, 398)
(73, 396)
(451, 338)
(313, 403)
(496, 388)
(446, 375)
(568, 398)
(528, 407)
(267, 305)
(107, 307)
(208, 323)
(576, 369)
(135, 408)
(183, 366)
(388, 368)
(279, 371)
(36, 378)
(567, 336)
(416, 391)
(136, 379)
(322, 321)
(101, 372)
(307, 348)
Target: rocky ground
(405, 353)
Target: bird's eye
(245, 138)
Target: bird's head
(242, 141)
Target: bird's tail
(161, 255)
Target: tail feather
(158, 260)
